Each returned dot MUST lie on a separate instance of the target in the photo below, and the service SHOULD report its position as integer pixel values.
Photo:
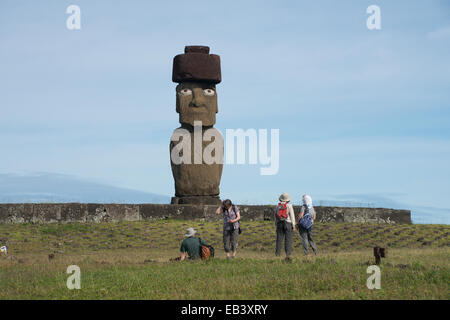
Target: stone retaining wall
(94, 212)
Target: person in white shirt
(306, 233)
(285, 224)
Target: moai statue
(196, 148)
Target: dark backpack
(306, 221)
(282, 211)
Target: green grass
(130, 260)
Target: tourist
(231, 228)
(191, 246)
(306, 222)
(285, 224)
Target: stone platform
(95, 212)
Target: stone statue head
(197, 101)
(197, 73)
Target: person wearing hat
(191, 246)
(285, 224)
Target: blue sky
(363, 115)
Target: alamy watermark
(74, 280)
(373, 22)
(373, 281)
(73, 22)
(189, 147)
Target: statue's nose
(196, 99)
(194, 104)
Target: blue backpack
(306, 221)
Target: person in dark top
(231, 217)
(191, 246)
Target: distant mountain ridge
(51, 187)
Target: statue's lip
(198, 107)
(198, 110)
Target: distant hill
(51, 187)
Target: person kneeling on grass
(305, 224)
(191, 246)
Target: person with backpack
(305, 224)
(231, 227)
(193, 246)
(285, 224)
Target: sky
(364, 115)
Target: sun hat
(190, 232)
(284, 197)
(307, 201)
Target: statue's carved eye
(185, 92)
(208, 92)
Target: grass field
(131, 260)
